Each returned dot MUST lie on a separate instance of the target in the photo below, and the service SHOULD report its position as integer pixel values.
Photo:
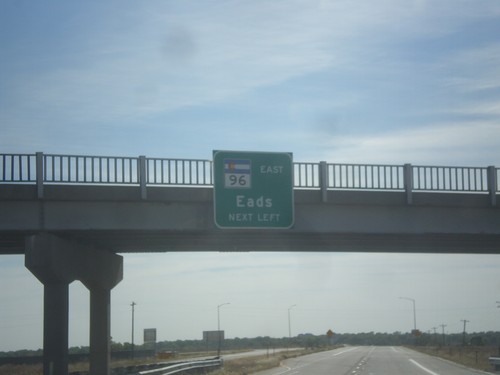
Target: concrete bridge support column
(55, 321)
(100, 333)
(43, 260)
(56, 263)
(100, 278)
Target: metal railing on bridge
(42, 169)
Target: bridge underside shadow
(165, 241)
(258, 240)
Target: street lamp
(218, 326)
(414, 313)
(289, 324)
(133, 305)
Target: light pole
(465, 324)
(133, 305)
(218, 327)
(414, 313)
(444, 337)
(289, 324)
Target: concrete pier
(57, 262)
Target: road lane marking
(345, 351)
(422, 367)
(284, 372)
(293, 370)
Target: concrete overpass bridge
(71, 215)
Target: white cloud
(440, 144)
(476, 69)
(204, 55)
(222, 58)
(486, 108)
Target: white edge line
(422, 367)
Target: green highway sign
(253, 189)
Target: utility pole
(444, 338)
(465, 323)
(133, 305)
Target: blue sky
(327, 80)
(381, 81)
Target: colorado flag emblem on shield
(237, 173)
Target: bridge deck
(181, 219)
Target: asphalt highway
(366, 360)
